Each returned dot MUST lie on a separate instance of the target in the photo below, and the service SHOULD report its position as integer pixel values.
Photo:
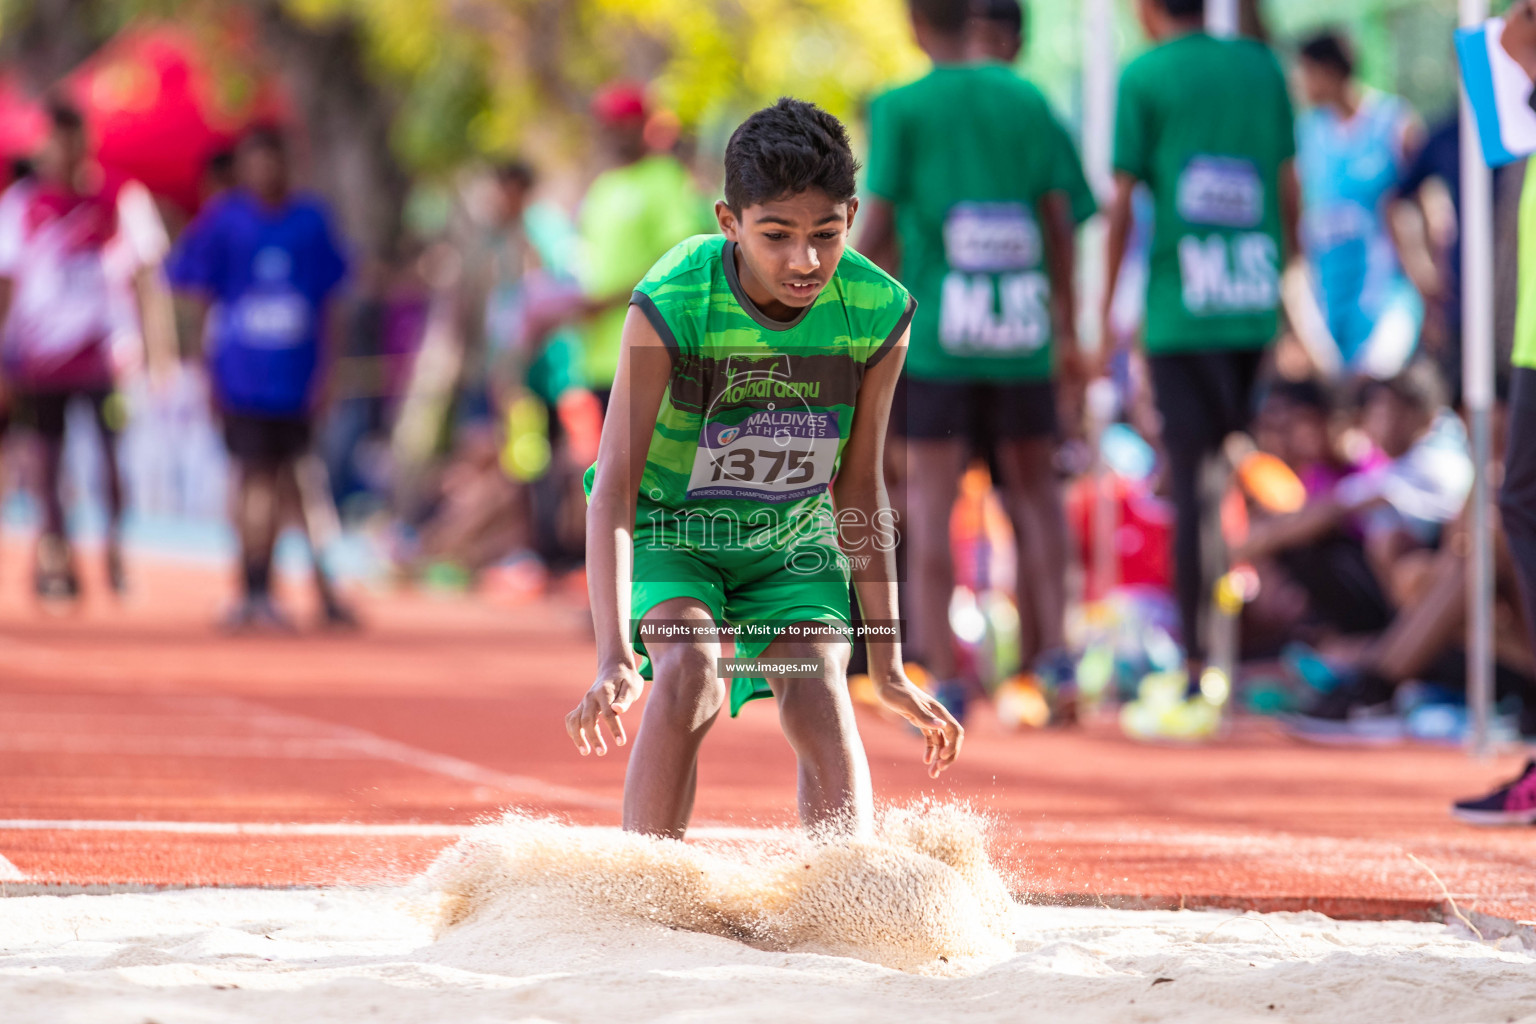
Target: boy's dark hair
(518, 172)
(788, 148)
(64, 116)
(946, 16)
(1183, 8)
(264, 136)
(1007, 13)
(1330, 50)
(221, 164)
(1308, 393)
(1420, 387)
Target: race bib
(272, 319)
(989, 238)
(996, 300)
(774, 455)
(1221, 192)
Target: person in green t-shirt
(738, 482)
(1207, 125)
(976, 190)
(631, 215)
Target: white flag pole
(1477, 389)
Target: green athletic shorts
(741, 588)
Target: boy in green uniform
(738, 482)
(977, 191)
(1207, 125)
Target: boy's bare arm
(867, 527)
(1055, 213)
(1290, 212)
(1121, 215)
(645, 366)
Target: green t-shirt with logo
(1207, 124)
(964, 155)
(757, 412)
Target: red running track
(138, 747)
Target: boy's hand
(615, 690)
(939, 728)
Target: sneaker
(240, 617)
(1021, 704)
(1310, 667)
(1165, 713)
(267, 618)
(54, 578)
(1511, 804)
(1348, 716)
(1057, 673)
(117, 578)
(339, 618)
(255, 614)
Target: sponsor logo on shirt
(1221, 192)
(982, 238)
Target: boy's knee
(687, 680)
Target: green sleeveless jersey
(751, 431)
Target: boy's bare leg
(936, 466)
(686, 696)
(113, 489)
(305, 498)
(1032, 497)
(258, 525)
(836, 795)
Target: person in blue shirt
(266, 263)
(1353, 147)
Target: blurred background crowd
(415, 225)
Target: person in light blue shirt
(1353, 147)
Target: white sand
(575, 925)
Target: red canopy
(160, 102)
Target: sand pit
(531, 921)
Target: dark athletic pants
(1517, 499)
(1202, 398)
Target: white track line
(374, 745)
(307, 738)
(229, 828)
(252, 747)
(336, 828)
(10, 872)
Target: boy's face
(261, 168)
(790, 247)
(1308, 441)
(1390, 423)
(1319, 85)
(62, 154)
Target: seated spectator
(1342, 546)
(1424, 643)
(1297, 423)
